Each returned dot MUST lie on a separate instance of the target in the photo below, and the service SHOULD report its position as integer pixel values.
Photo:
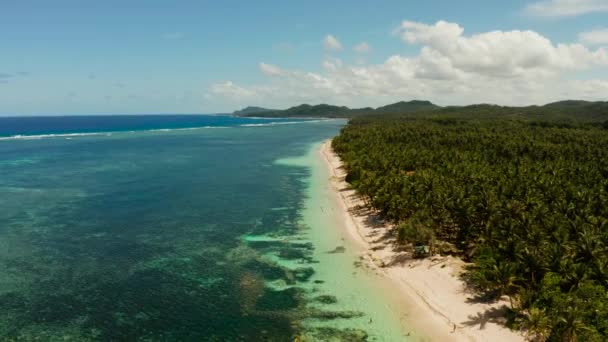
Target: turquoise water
(174, 235)
(380, 310)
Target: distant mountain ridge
(249, 111)
(331, 111)
(556, 111)
(407, 107)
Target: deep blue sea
(126, 228)
(43, 126)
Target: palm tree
(537, 324)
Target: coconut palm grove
(520, 193)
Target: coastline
(357, 288)
(440, 307)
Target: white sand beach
(441, 309)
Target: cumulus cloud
(595, 37)
(496, 53)
(591, 89)
(565, 8)
(331, 43)
(503, 67)
(271, 70)
(362, 47)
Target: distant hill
(249, 111)
(330, 111)
(406, 107)
(578, 110)
(321, 110)
(562, 111)
(304, 110)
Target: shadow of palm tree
(346, 188)
(387, 237)
(400, 259)
(493, 315)
(375, 221)
(485, 297)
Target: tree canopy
(522, 194)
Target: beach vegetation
(522, 195)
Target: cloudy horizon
(521, 53)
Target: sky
(66, 57)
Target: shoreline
(439, 305)
(339, 271)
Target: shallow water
(173, 235)
(357, 287)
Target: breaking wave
(72, 135)
(281, 123)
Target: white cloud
(331, 43)
(565, 8)
(332, 64)
(591, 89)
(503, 67)
(231, 90)
(497, 53)
(271, 70)
(362, 47)
(595, 37)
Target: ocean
(177, 228)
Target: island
(492, 218)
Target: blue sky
(81, 57)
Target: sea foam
(72, 135)
(282, 123)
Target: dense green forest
(521, 193)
